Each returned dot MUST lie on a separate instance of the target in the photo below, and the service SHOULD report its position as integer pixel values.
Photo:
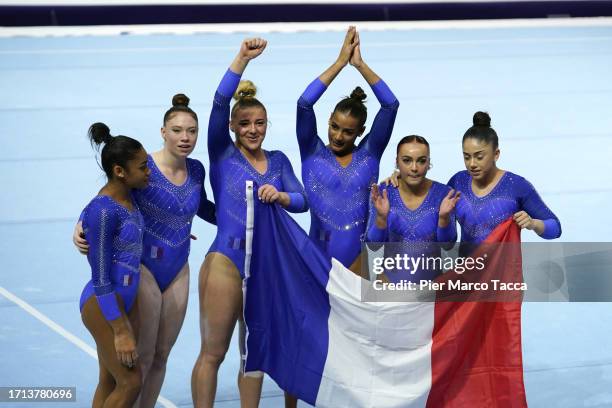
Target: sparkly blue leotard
(478, 216)
(168, 211)
(229, 171)
(416, 229)
(338, 196)
(115, 243)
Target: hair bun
(481, 119)
(246, 89)
(180, 100)
(100, 133)
(358, 94)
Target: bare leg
(173, 309)
(106, 385)
(358, 270)
(149, 307)
(290, 401)
(127, 380)
(220, 290)
(248, 386)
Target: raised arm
(382, 127)
(306, 123)
(219, 139)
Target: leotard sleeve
(206, 210)
(448, 235)
(293, 187)
(532, 203)
(219, 139)
(382, 127)
(101, 222)
(306, 122)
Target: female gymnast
(174, 196)
(490, 195)
(113, 225)
(337, 177)
(233, 162)
(417, 213)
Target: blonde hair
(246, 89)
(245, 97)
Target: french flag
(309, 330)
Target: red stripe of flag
(476, 352)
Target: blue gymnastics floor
(547, 89)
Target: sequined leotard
(478, 216)
(168, 211)
(115, 243)
(416, 229)
(229, 171)
(338, 196)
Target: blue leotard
(478, 216)
(229, 171)
(338, 196)
(416, 229)
(115, 244)
(168, 211)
